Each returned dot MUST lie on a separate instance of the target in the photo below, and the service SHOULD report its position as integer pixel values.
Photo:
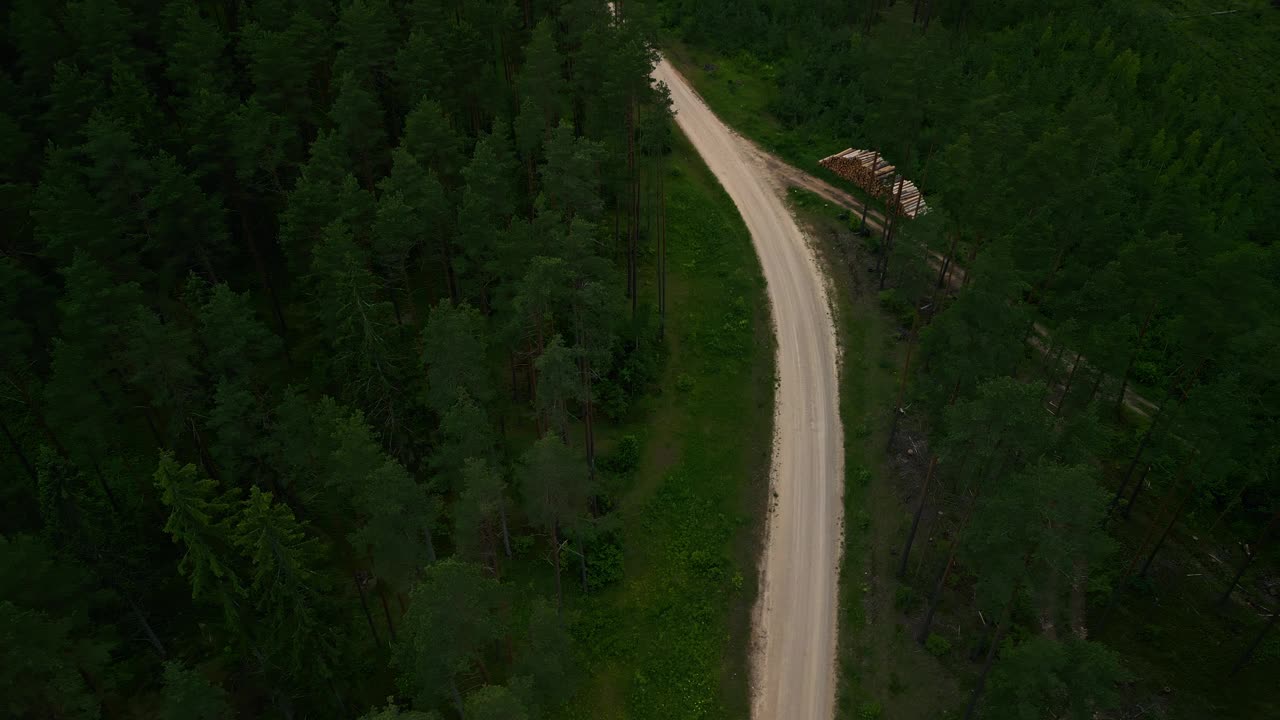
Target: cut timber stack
(869, 171)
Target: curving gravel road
(793, 664)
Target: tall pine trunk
(1177, 514)
(18, 452)
(1250, 556)
(555, 557)
(941, 584)
(364, 605)
(506, 535)
(1253, 646)
(915, 521)
(1067, 387)
(981, 684)
(1133, 356)
(386, 612)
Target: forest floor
(794, 660)
(671, 639)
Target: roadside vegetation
(671, 639)
(1102, 195)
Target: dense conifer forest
(336, 340)
(311, 310)
(1086, 447)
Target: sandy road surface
(793, 666)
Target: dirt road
(793, 666)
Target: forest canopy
(290, 287)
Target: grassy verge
(882, 672)
(741, 91)
(670, 640)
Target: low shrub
(937, 645)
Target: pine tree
(293, 636)
(465, 433)
(481, 515)
(368, 33)
(454, 615)
(546, 659)
(555, 491)
(200, 522)
(1070, 679)
(494, 702)
(399, 516)
(360, 127)
(558, 385)
(541, 78)
(188, 694)
(454, 350)
(54, 648)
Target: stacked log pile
(869, 171)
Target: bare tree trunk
(457, 697)
(891, 230)
(265, 279)
(915, 521)
(1231, 505)
(902, 384)
(386, 612)
(1133, 355)
(1067, 387)
(1080, 573)
(364, 605)
(17, 450)
(1133, 496)
(972, 709)
(946, 261)
(506, 536)
(1097, 382)
(662, 251)
(875, 163)
(1177, 513)
(1250, 555)
(146, 626)
(431, 546)
(1137, 455)
(1253, 646)
(555, 557)
(936, 598)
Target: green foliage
(40, 666)
(605, 564)
(399, 517)
(48, 642)
(625, 456)
(454, 618)
(393, 712)
(937, 645)
(188, 694)
(454, 350)
(870, 710)
(894, 304)
(286, 591)
(200, 520)
(1075, 679)
(494, 702)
